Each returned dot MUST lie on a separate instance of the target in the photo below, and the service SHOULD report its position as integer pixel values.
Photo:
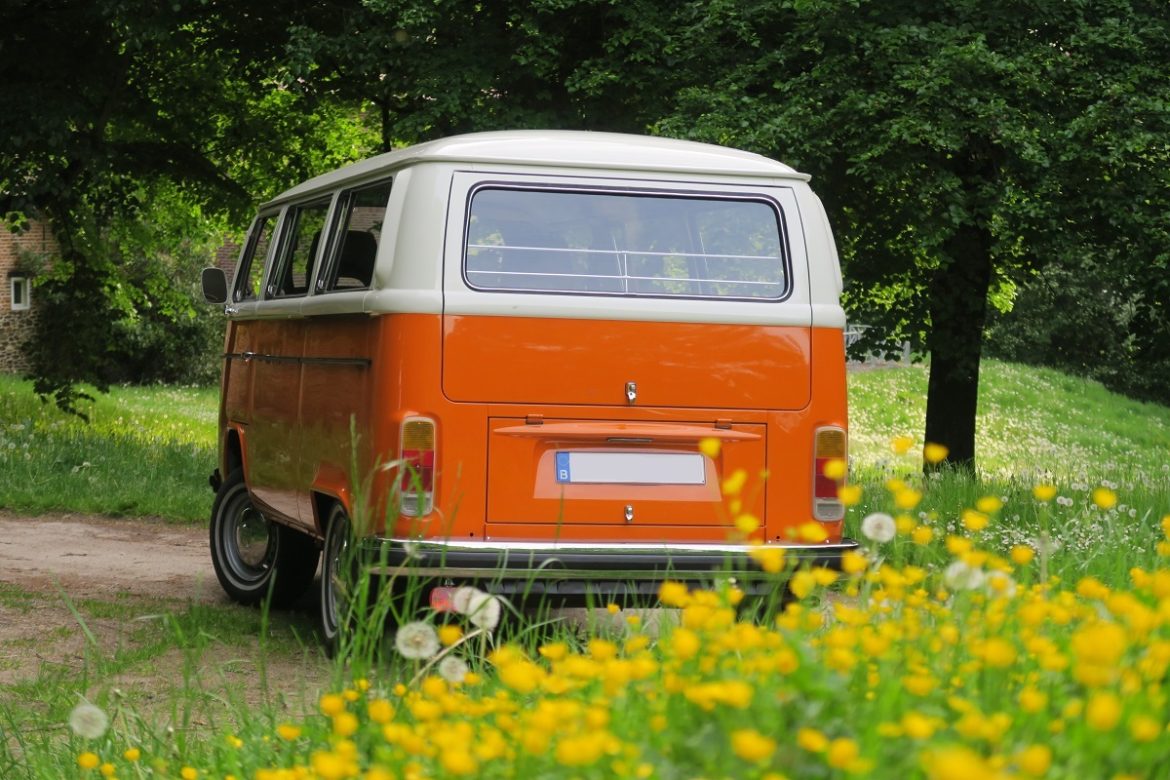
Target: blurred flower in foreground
(1044, 493)
(88, 721)
(934, 453)
(1104, 498)
(453, 669)
(878, 527)
(417, 640)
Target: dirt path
(90, 557)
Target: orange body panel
(674, 364)
(769, 389)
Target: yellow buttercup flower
(934, 453)
(901, 444)
(843, 753)
(849, 495)
(853, 562)
(709, 447)
(1104, 498)
(836, 469)
(811, 532)
(1103, 711)
(747, 524)
(1044, 492)
(1022, 554)
(907, 498)
(1035, 760)
(332, 703)
(974, 521)
(1143, 728)
(733, 485)
(673, 594)
(88, 760)
(288, 732)
(449, 634)
(812, 740)
(770, 558)
(752, 746)
(989, 505)
(345, 724)
(802, 584)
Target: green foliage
(151, 129)
(1091, 319)
(959, 147)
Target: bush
(1073, 319)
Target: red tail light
(417, 453)
(830, 445)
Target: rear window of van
(625, 243)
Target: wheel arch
(233, 450)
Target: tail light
(830, 445)
(417, 453)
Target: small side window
(301, 243)
(359, 232)
(20, 293)
(250, 274)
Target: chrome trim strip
(321, 361)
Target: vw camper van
(563, 359)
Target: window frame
(341, 210)
(636, 191)
(289, 222)
(24, 284)
(248, 258)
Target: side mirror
(215, 287)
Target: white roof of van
(563, 148)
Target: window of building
(20, 289)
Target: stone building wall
(16, 325)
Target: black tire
(253, 555)
(337, 560)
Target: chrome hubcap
(253, 537)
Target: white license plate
(631, 468)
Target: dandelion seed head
(416, 640)
(88, 721)
(878, 527)
(453, 669)
(483, 610)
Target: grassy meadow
(1015, 626)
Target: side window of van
(250, 276)
(362, 212)
(619, 243)
(302, 236)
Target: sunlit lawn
(1013, 627)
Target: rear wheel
(252, 555)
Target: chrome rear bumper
(613, 561)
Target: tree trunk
(958, 310)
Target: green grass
(919, 678)
(147, 451)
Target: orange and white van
(543, 325)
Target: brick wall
(16, 327)
(226, 257)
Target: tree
(959, 145)
(432, 68)
(110, 104)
